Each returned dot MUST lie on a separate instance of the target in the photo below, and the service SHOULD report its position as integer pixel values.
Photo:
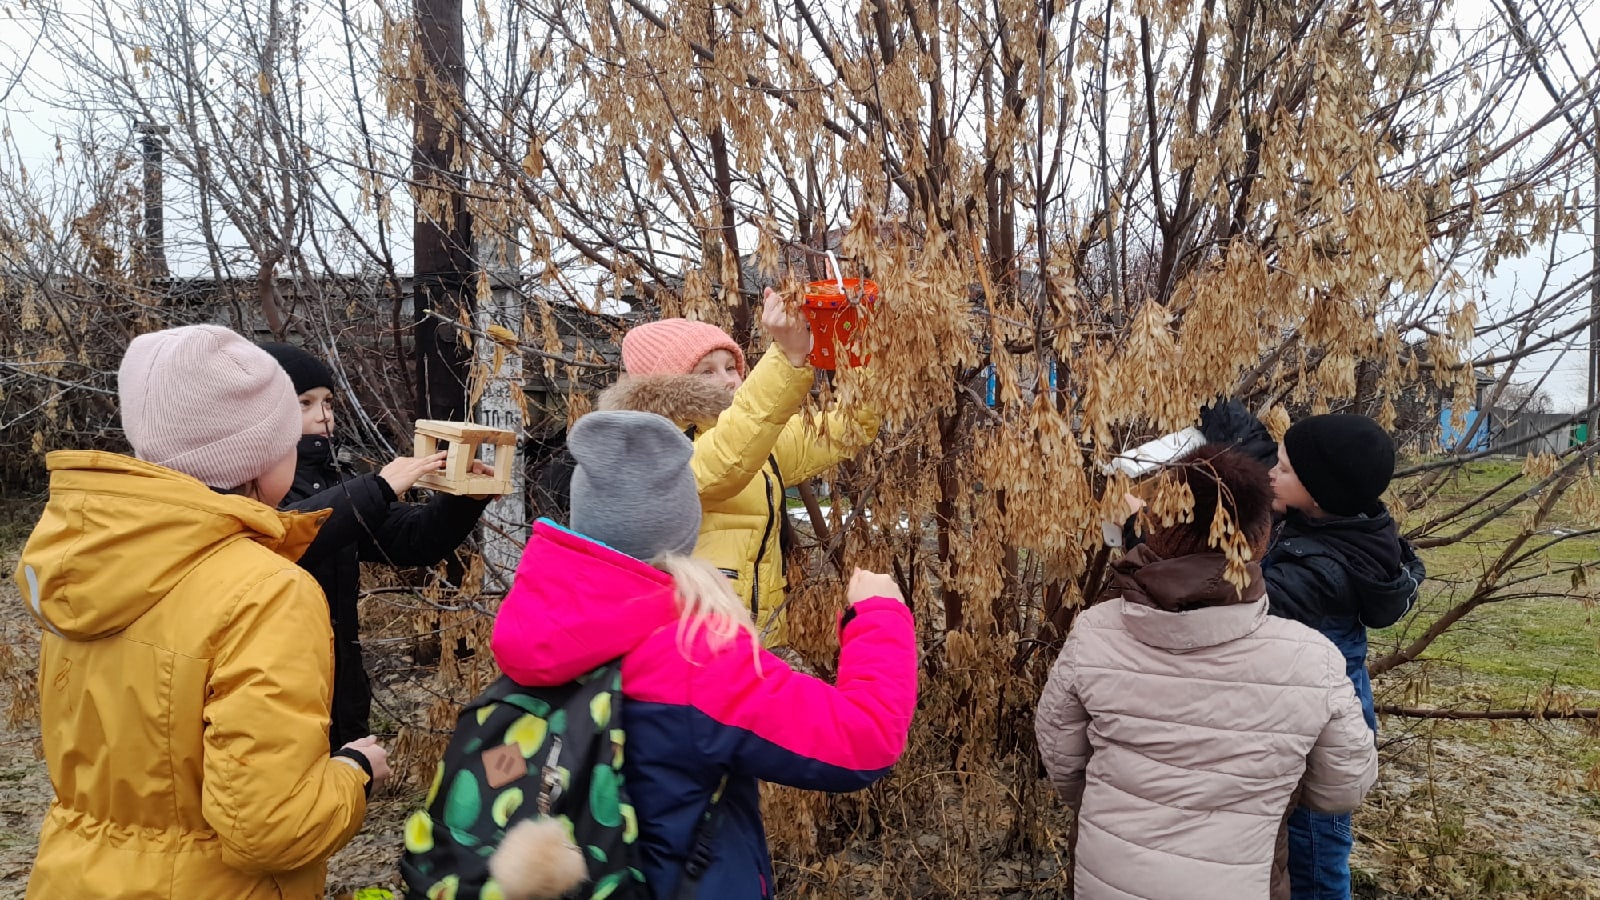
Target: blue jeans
(1320, 843)
(1351, 639)
(1319, 855)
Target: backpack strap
(786, 535)
(700, 851)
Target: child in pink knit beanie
(190, 660)
(750, 441)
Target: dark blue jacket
(697, 711)
(1342, 575)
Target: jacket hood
(1207, 626)
(118, 534)
(685, 399)
(1186, 603)
(1368, 548)
(576, 604)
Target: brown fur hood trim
(685, 399)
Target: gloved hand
(1229, 422)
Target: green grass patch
(1544, 631)
(1533, 643)
(1547, 633)
(1474, 478)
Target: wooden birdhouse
(464, 439)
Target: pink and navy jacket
(576, 604)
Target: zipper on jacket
(761, 552)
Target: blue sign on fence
(1475, 435)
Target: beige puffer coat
(1179, 736)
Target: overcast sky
(33, 113)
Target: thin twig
(1417, 712)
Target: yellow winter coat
(748, 446)
(184, 682)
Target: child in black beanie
(1338, 564)
(370, 523)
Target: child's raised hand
(865, 585)
(404, 472)
(788, 330)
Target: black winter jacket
(1342, 570)
(1230, 422)
(1342, 576)
(368, 525)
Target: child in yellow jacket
(750, 442)
(186, 661)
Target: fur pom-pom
(537, 861)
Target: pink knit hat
(674, 347)
(208, 403)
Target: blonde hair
(706, 602)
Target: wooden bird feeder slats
(464, 439)
(466, 432)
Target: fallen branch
(1413, 712)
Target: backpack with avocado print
(545, 762)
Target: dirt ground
(1461, 810)
(1466, 810)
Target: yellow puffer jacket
(748, 446)
(184, 682)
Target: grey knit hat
(632, 488)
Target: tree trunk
(442, 227)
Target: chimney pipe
(152, 257)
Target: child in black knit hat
(369, 524)
(1338, 564)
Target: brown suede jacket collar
(1182, 584)
(1185, 604)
